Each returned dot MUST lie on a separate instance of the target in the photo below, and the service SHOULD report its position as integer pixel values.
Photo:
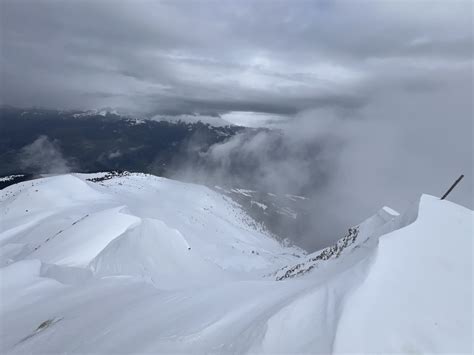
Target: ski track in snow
(127, 263)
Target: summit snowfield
(133, 263)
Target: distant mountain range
(103, 140)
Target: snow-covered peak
(215, 121)
(137, 207)
(100, 112)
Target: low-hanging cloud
(350, 164)
(43, 156)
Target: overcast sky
(272, 57)
(391, 80)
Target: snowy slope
(138, 263)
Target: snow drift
(135, 264)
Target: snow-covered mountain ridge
(141, 264)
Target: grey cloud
(272, 104)
(43, 156)
(398, 146)
(217, 53)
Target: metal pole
(452, 187)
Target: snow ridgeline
(141, 264)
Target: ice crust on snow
(133, 263)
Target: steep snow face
(417, 296)
(141, 264)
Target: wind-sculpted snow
(417, 296)
(131, 263)
(155, 253)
